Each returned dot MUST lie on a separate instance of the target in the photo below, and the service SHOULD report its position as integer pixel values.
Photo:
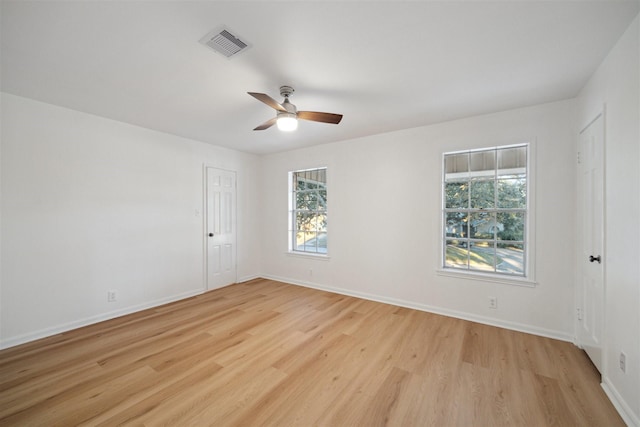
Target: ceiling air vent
(223, 41)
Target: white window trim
(530, 244)
(308, 255)
(487, 277)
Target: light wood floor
(268, 353)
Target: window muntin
(308, 211)
(485, 210)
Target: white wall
(616, 84)
(384, 219)
(90, 205)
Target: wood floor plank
(282, 406)
(157, 396)
(273, 354)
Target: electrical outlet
(623, 362)
(112, 296)
(493, 302)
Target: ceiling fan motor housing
(286, 91)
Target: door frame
(205, 216)
(579, 290)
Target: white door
(590, 291)
(221, 228)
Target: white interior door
(590, 292)
(221, 228)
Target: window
(485, 210)
(308, 211)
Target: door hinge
(579, 313)
(578, 158)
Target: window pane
(457, 195)
(322, 242)
(456, 224)
(511, 258)
(512, 161)
(512, 193)
(321, 222)
(318, 176)
(455, 255)
(482, 194)
(305, 200)
(483, 161)
(456, 164)
(510, 225)
(482, 256)
(310, 243)
(305, 221)
(482, 225)
(322, 198)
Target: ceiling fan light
(287, 123)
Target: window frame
(293, 209)
(527, 278)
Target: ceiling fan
(287, 115)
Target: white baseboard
(248, 278)
(548, 333)
(43, 333)
(620, 404)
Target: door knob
(211, 235)
(595, 258)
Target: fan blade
(315, 116)
(267, 100)
(267, 124)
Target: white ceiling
(384, 65)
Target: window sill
(309, 255)
(487, 277)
